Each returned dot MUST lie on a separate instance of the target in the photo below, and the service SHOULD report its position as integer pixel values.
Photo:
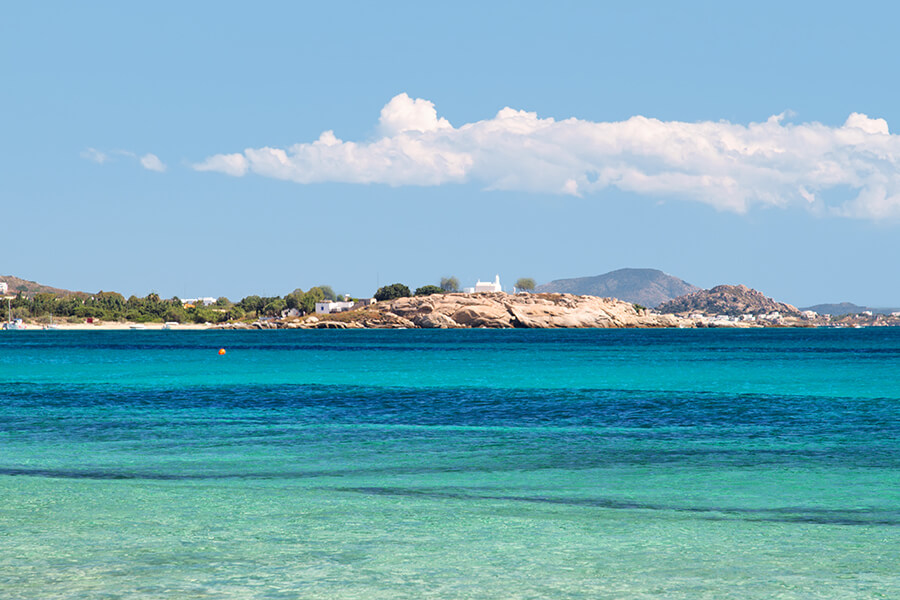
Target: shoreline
(497, 310)
(341, 325)
(115, 326)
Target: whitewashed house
(485, 286)
(3, 287)
(326, 307)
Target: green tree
(42, 304)
(274, 307)
(200, 314)
(134, 303)
(111, 305)
(87, 311)
(327, 292)
(252, 304)
(309, 299)
(66, 306)
(450, 284)
(223, 302)
(427, 290)
(389, 292)
(294, 299)
(526, 284)
(175, 312)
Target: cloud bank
(851, 170)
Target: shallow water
(450, 464)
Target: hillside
(847, 308)
(30, 288)
(648, 287)
(727, 300)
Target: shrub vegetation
(390, 292)
(427, 290)
(112, 306)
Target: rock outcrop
(501, 311)
(485, 310)
(731, 300)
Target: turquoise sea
(676, 464)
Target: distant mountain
(727, 300)
(30, 288)
(847, 308)
(648, 287)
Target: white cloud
(94, 155)
(230, 164)
(403, 113)
(729, 166)
(151, 162)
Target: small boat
(170, 325)
(11, 325)
(16, 325)
(139, 326)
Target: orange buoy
(221, 351)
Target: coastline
(498, 310)
(116, 326)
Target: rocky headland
(488, 310)
(731, 300)
(722, 306)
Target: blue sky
(110, 112)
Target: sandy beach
(116, 326)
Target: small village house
(485, 286)
(327, 307)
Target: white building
(3, 287)
(485, 286)
(208, 301)
(331, 306)
(326, 307)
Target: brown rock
(499, 310)
(484, 315)
(727, 300)
(434, 320)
